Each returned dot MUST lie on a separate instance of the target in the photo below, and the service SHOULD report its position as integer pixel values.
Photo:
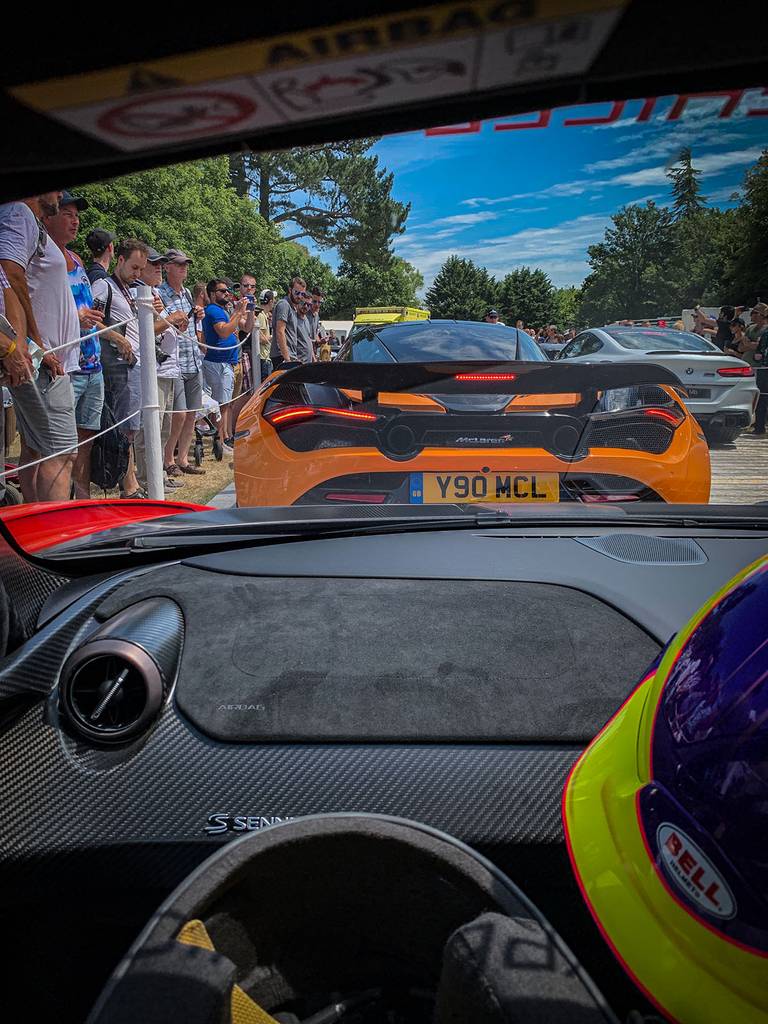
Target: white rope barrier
(92, 334)
(66, 451)
(223, 348)
(89, 440)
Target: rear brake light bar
(305, 412)
(736, 371)
(485, 376)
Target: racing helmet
(666, 817)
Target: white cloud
(559, 250)
(465, 219)
(709, 165)
(668, 145)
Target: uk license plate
(446, 488)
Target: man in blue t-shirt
(221, 351)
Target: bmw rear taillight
(736, 371)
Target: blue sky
(539, 197)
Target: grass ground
(197, 489)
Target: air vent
(111, 691)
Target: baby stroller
(207, 425)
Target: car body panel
(42, 525)
(719, 395)
(268, 473)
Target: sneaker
(227, 448)
(172, 485)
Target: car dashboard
(451, 677)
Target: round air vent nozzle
(111, 691)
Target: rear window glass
(436, 342)
(658, 341)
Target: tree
(336, 195)
(745, 278)
(688, 200)
(567, 303)
(361, 284)
(188, 206)
(632, 268)
(527, 295)
(702, 252)
(461, 291)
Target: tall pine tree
(688, 199)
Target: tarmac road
(740, 471)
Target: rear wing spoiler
(480, 378)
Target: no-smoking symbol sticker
(180, 115)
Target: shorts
(88, 389)
(220, 380)
(45, 413)
(188, 392)
(122, 395)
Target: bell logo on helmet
(693, 872)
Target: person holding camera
(221, 341)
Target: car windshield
(439, 340)
(645, 340)
(174, 305)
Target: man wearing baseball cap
(492, 316)
(101, 244)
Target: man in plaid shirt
(189, 386)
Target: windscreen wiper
(183, 541)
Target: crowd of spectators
(70, 355)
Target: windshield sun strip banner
(374, 63)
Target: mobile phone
(99, 305)
(251, 301)
(6, 328)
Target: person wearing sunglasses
(220, 336)
(285, 323)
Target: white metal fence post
(150, 406)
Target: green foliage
(196, 208)
(632, 268)
(527, 295)
(361, 284)
(461, 291)
(745, 240)
(335, 194)
(190, 207)
(567, 303)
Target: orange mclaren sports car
(445, 411)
